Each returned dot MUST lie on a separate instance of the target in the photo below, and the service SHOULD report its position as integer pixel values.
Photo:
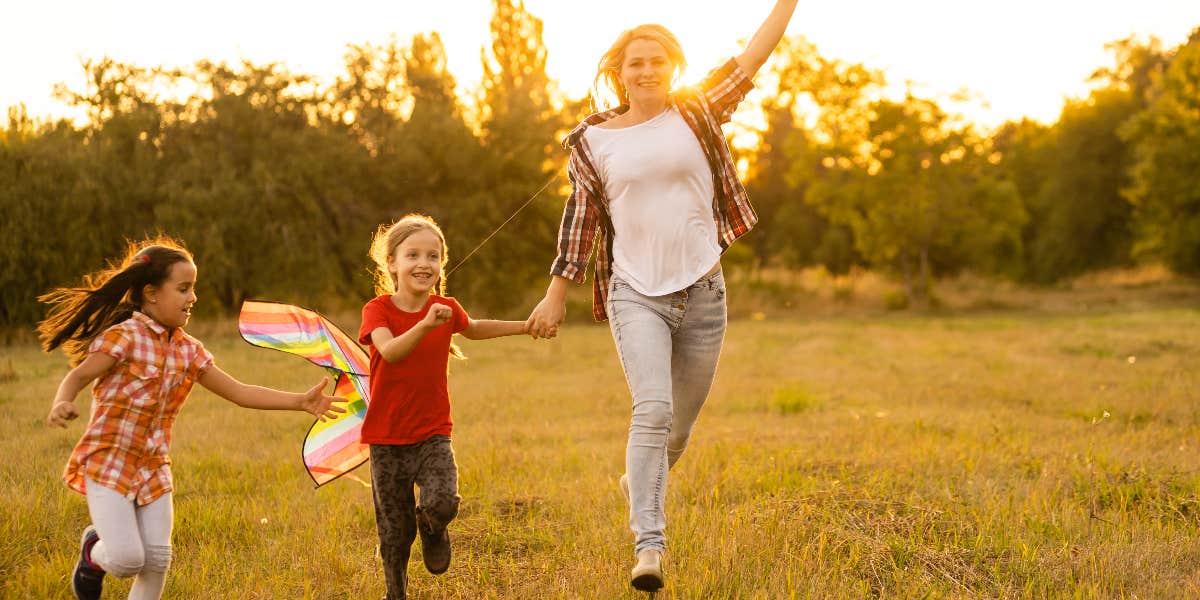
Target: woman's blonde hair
(609, 67)
(389, 237)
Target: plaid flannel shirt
(586, 222)
(134, 404)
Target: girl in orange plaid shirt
(123, 329)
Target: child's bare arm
(312, 401)
(395, 347)
(63, 408)
(487, 329)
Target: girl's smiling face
(416, 264)
(171, 302)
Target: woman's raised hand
(767, 37)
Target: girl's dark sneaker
(88, 580)
(435, 545)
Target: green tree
(371, 98)
(260, 188)
(47, 235)
(1084, 221)
(1071, 176)
(519, 124)
(1136, 66)
(1024, 156)
(919, 200)
(436, 145)
(1165, 184)
(74, 195)
(787, 159)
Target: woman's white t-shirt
(660, 197)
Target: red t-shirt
(409, 398)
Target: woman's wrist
(557, 290)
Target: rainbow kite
(331, 448)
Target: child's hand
(547, 333)
(547, 315)
(62, 412)
(438, 314)
(319, 404)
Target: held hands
(62, 412)
(438, 314)
(544, 320)
(319, 404)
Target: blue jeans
(669, 346)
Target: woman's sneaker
(647, 573)
(88, 580)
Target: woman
(655, 189)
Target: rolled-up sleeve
(724, 88)
(577, 232)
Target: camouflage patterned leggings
(394, 470)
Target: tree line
(906, 187)
(276, 181)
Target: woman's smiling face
(646, 71)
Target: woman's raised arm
(766, 38)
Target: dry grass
(779, 293)
(979, 454)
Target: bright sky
(1022, 57)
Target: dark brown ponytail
(78, 314)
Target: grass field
(992, 455)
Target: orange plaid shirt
(133, 407)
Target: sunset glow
(1017, 59)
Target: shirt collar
(154, 326)
(592, 119)
(596, 118)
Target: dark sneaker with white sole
(88, 580)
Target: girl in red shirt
(408, 329)
(124, 330)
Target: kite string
(506, 221)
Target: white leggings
(134, 540)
